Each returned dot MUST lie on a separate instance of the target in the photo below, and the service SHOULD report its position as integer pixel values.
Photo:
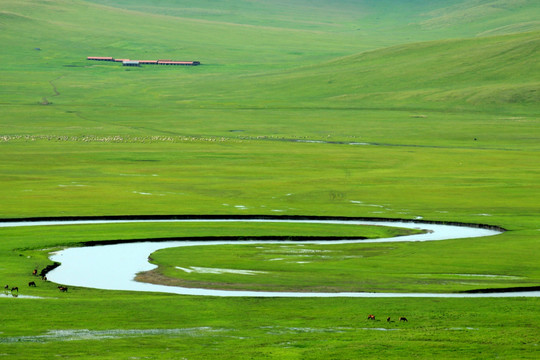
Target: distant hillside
(387, 20)
(70, 30)
(274, 33)
(483, 17)
(492, 70)
(45, 45)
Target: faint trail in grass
(44, 100)
(55, 90)
(359, 143)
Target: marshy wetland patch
(204, 270)
(18, 296)
(85, 334)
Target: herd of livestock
(43, 275)
(388, 319)
(14, 290)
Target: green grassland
(332, 108)
(364, 267)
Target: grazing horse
(14, 288)
(371, 317)
(32, 283)
(403, 318)
(62, 288)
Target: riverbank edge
(245, 217)
(223, 238)
(262, 217)
(501, 290)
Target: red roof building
(100, 58)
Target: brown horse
(371, 317)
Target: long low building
(178, 63)
(100, 58)
(128, 62)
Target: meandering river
(114, 267)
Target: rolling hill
(268, 79)
(489, 71)
(259, 74)
(383, 19)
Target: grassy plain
(321, 268)
(364, 108)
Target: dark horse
(14, 288)
(32, 283)
(403, 318)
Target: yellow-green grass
(68, 177)
(484, 74)
(172, 327)
(440, 94)
(88, 138)
(61, 178)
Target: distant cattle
(63, 288)
(6, 287)
(371, 317)
(32, 283)
(15, 288)
(34, 272)
(403, 318)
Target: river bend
(114, 267)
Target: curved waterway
(114, 267)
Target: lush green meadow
(386, 109)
